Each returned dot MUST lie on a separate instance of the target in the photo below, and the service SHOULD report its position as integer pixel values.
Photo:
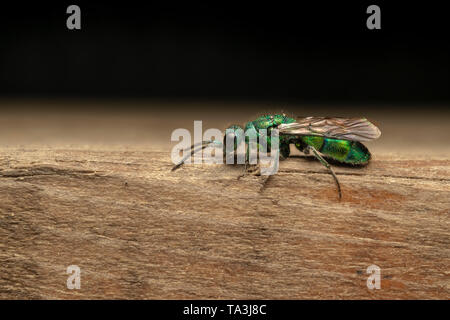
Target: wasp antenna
(197, 144)
(200, 146)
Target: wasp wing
(355, 129)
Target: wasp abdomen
(351, 152)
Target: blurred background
(136, 71)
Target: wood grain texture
(138, 230)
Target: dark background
(320, 53)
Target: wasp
(338, 139)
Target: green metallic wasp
(338, 139)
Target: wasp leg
(256, 168)
(325, 163)
(285, 151)
(248, 167)
(253, 169)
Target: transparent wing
(355, 129)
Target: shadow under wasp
(338, 139)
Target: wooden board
(137, 230)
